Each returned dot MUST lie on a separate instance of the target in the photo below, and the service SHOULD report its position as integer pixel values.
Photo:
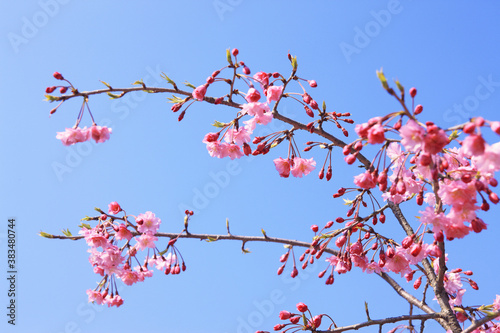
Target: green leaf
(140, 83)
(274, 144)
(189, 85)
(51, 98)
(383, 80)
(400, 87)
(174, 99)
(66, 232)
(263, 232)
(347, 202)
(113, 96)
(84, 225)
(218, 124)
(46, 235)
(294, 63)
(228, 56)
(453, 135)
(97, 209)
(106, 84)
(211, 239)
(245, 251)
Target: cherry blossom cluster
(76, 134)
(113, 261)
(234, 138)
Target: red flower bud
(407, 242)
(302, 307)
(417, 283)
(246, 70)
(309, 112)
(50, 90)
(418, 109)
(312, 83)
(235, 52)
(58, 76)
(413, 92)
(314, 228)
(284, 315)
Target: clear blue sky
(152, 162)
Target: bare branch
(481, 321)
(384, 321)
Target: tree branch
(384, 321)
(481, 321)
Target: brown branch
(481, 321)
(384, 321)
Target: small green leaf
(274, 144)
(50, 98)
(46, 235)
(218, 124)
(383, 80)
(189, 85)
(228, 56)
(211, 239)
(113, 96)
(165, 77)
(106, 84)
(97, 209)
(453, 135)
(66, 232)
(245, 251)
(139, 83)
(347, 202)
(263, 232)
(294, 63)
(84, 225)
(324, 106)
(400, 87)
(174, 99)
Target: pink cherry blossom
(210, 137)
(94, 238)
(255, 109)
(362, 129)
(302, 166)
(114, 208)
(438, 221)
(496, 303)
(435, 140)
(473, 145)
(199, 92)
(398, 263)
(364, 180)
(113, 300)
(123, 233)
(150, 223)
(262, 78)
(95, 296)
(73, 135)
(412, 135)
(109, 260)
(273, 93)
(489, 162)
(283, 167)
(239, 136)
(100, 133)
(218, 149)
(253, 95)
(376, 134)
(234, 151)
(146, 241)
(129, 277)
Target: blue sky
(154, 163)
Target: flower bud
(246, 70)
(58, 76)
(328, 224)
(50, 90)
(390, 252)
(312, 83)
(295, 272)
(418, 109)
(235, 52)
(302, 307)
(284, 315)
(407, 242)
(314, 228)
(417, 283)
(413, 92)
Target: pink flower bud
(295, 272)
(114, 208)
(235, 52)
(314, 228)
(469, 128)
(328, 224)
(312, 83)
(246, 70)
(495, 127)
(314, 104)
(295, 320)
(199, 92)
(415, 249)
(302, 307)
(309, 112)
(253, 95)
(413, 92)
(58, 76)
(407, 242)
(390, 252)
(50, 90)
(284, 315)
(417, 283)
(418, 109)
